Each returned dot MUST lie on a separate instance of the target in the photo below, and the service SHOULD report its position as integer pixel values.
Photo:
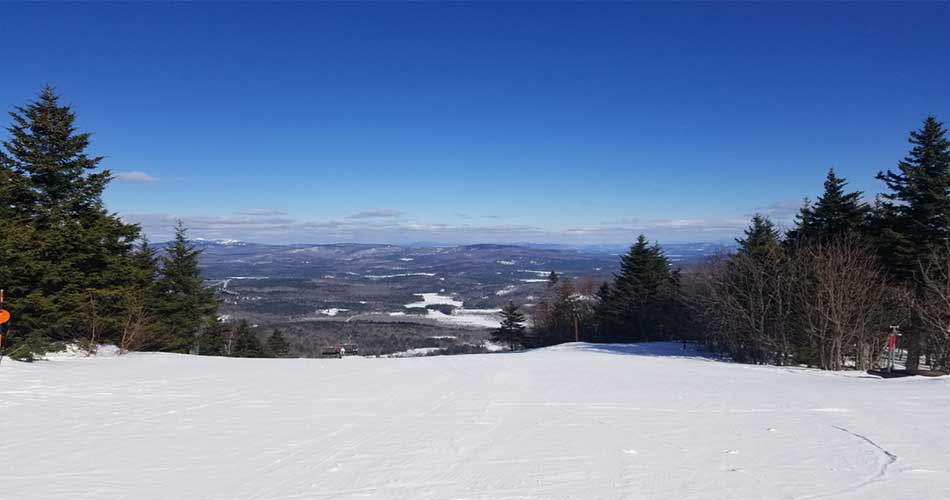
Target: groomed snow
(575, 421)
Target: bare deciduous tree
(934, 307)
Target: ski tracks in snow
(885, 460)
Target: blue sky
(565, 123)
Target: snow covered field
(575, 421)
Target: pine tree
(212, 340)
(761, 238)
(636, 305)
(835, 214)
(48, 156)
(184, 303)
(913, 218)
(512, 329)
(801, 233)
(552, 279)
(277, 345)
(66, 268)
(246, 344)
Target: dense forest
(74, 272)
(822, 293)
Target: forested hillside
(824, 293)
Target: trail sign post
(4, 317)
(892, 346)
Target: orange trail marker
(4, 316)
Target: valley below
(389, 299)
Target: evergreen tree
(803, 224)
(66, 259)
(761, 238)
(636, 307)
(913, 218)
(277, 345)
(512, 329)
(213, 339)
(552, 279)
(246, 344)
(48, 158)
(184, 302)
(145, 265)
(836, 213)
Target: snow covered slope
(575, 421)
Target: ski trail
(885, 460)
(888, 457)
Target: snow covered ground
(576, 421)
(482, 318)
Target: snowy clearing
(431, 299)
(333, 311)
(575, 421)
(481, 318)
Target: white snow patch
(416, 352)
(483, 318)
(532, 271)
(494, 347)
(577, 421)
(73, 351)
(333, 311)
(401, 275)
(429, 299)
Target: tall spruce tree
(913, 217)
(834, 214)
(66, 267)
(184, 303)
(636, 305)
(47, 155)
(761, 238)
(512, 330)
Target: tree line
(823, 293)
(74, 272)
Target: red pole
(1, 327)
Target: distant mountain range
(687, 253)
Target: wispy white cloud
(263, 212)
(389, 226)
(376, 214)
(780, 211)
(159, 227)
(135, 177)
